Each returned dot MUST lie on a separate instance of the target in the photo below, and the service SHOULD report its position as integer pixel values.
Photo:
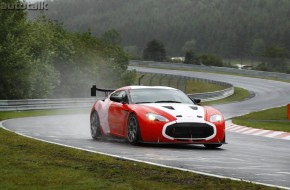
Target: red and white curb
(257, 132)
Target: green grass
(239, 95)
(31, 164)
(277, 117)
(33, 113)
(201, 87)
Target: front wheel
(133, 132)
(212, 146)
(95, 126)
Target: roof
(146, 87)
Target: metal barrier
(41, 104)
(217, 95)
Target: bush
(210, 60)
(190, 58)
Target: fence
(41, 104)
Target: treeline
(40, 59)
(228, 28)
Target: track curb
(257, 132)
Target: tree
(258, 47)
(225, 28)
(189, 46)
(40, 59)
(190, 57)
(14, 55)
(275, 51)
(133, 52)
(111, 37)
(154, 51)
(275, 59)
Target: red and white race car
(156, 114)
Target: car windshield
(139, 96)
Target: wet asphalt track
(246, 157)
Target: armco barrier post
(288, 111)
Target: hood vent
(194, 107)
(169, 107)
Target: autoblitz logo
(24, 6)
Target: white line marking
(250, 131)
(260, 132)
(288, 173)
(146, 162)
(235, 128)
(242, 130)
(268, 174)
(287, 137)
(274, 134)
(230, 127)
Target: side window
(119, 96)
(116, 94)
(125, 96)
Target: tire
(212, 146)
(95, 126)
(133, 131)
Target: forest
(231, 29)
(41, 59)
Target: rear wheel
(95, 126)
(212, 146)
(133, 132)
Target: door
(118, 114)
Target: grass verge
(239, 95)
(30, 164)
(17, 114)
(276, 119)
(201, 87)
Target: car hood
(182, 112)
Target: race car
(156, 114)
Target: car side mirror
(118, 99)
(197, 101)
(115, 98)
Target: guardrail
(41, 104)
(217, 95)
(252, 73)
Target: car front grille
(189, 130)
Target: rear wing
(94, 90)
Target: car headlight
(156, 117)
(215, 118)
